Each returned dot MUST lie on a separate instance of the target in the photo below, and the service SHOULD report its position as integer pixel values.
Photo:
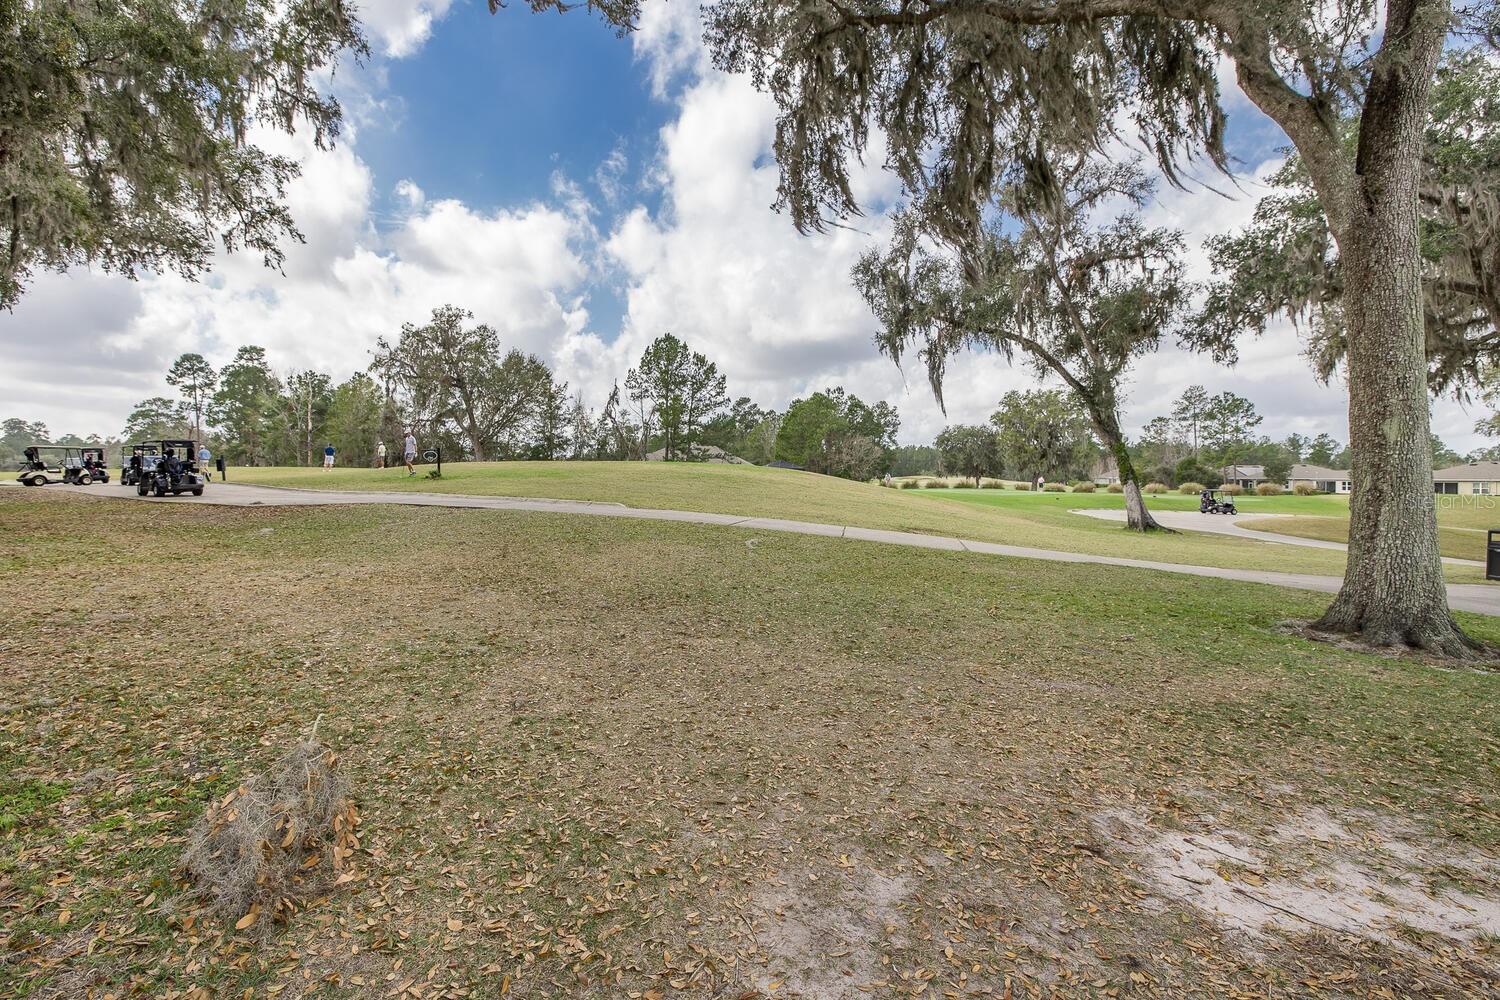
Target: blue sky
(582, 193)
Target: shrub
(992, 484)
(1155, 488)
(910, 484)
(268, 846)
(1024, 487)
(1115, 488)
(1084, 488)
(1233, 489)
(1268, 490)
(963, 484)
(1190, 488)
(1055, 488)
(1306, 490)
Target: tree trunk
(1393, 591)
(1137, 517)
(1107, 426)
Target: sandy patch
(823, 935)
(1314, 872)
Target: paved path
(1479, 598)
(1230, 524)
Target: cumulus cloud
(397, 28)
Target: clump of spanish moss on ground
(276, 842)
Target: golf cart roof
(178, 443)
(143, 445)
(52, 447)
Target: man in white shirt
(380, 456)
(411, 453)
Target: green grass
(1010, 517)
(596, 757)
(1455, 543)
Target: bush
(1055, 488)
(1307, 490)
(1232, 489)
(992, 484)
(1024, 487)
(963, 484)
(1155, 488)
(1191, 488)
(910, 484)
(1084, 488)
(1268, 490)
(270, 845)
(1115, 488)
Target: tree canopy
(126, 129)
(1079, 298)
(451, 372)
(1286, 261)
(681, 389)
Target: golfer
(328, 457)
(411, 453)
(380, 456)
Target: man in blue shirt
(328, 457)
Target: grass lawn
(1038, 520)
(1456, 543)
(610, 758)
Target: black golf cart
(175, 471)
(94, 464)
(53, 463)
(1209, 503)
(136, 461)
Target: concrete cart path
(1479, 598)
(1222, 524)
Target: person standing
(410, 453)
(380, 456)
(328, 454)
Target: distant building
(1248, 476)
(702, 453)
(1319, 478)
(1476, 479)
(1104, 473)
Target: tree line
(455, 386)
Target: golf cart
(175, 471)
(1209, 503)
(53, 463)
(136, 461)
(94, 464)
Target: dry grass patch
(597, 758)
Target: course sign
(430, 455)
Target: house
(1104, 473)
(1476, 478)
(700, 453)
(1248, 476)
(1319, 478)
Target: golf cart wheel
(198, 492)
(140, 488)
(33, 481)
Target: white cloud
(398, 28)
